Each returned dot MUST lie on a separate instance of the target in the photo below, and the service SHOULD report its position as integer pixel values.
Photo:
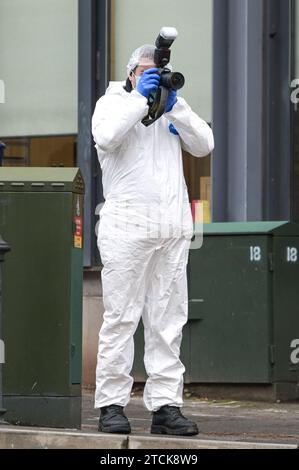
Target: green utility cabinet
(243, 325)
(41, 217)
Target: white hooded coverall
(144, 237)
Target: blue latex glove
(171, 100)
(173, 129)
(149, 82)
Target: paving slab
(25, 438)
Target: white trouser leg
(165, 314)
(124, 280)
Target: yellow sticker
(77, 242)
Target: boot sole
(115, 429)
(156, 429)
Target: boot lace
(115, 410)
(175, 412)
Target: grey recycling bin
(243, 323)
(4, 248)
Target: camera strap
(157, 106)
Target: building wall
(137, 23)
(92, 320)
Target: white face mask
(137, 79)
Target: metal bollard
(4, 248)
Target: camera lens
(177, 81)
(174, 80)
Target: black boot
(113, 420)
(169, 420)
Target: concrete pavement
(222, 424)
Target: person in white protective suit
(144, 237)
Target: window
(135, 23)
(295, 110)
(38, 67)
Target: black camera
(168, 81)
(174, 80)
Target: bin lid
(279, 228)
(41, 179)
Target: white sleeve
(114, 116)
(196, 135)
